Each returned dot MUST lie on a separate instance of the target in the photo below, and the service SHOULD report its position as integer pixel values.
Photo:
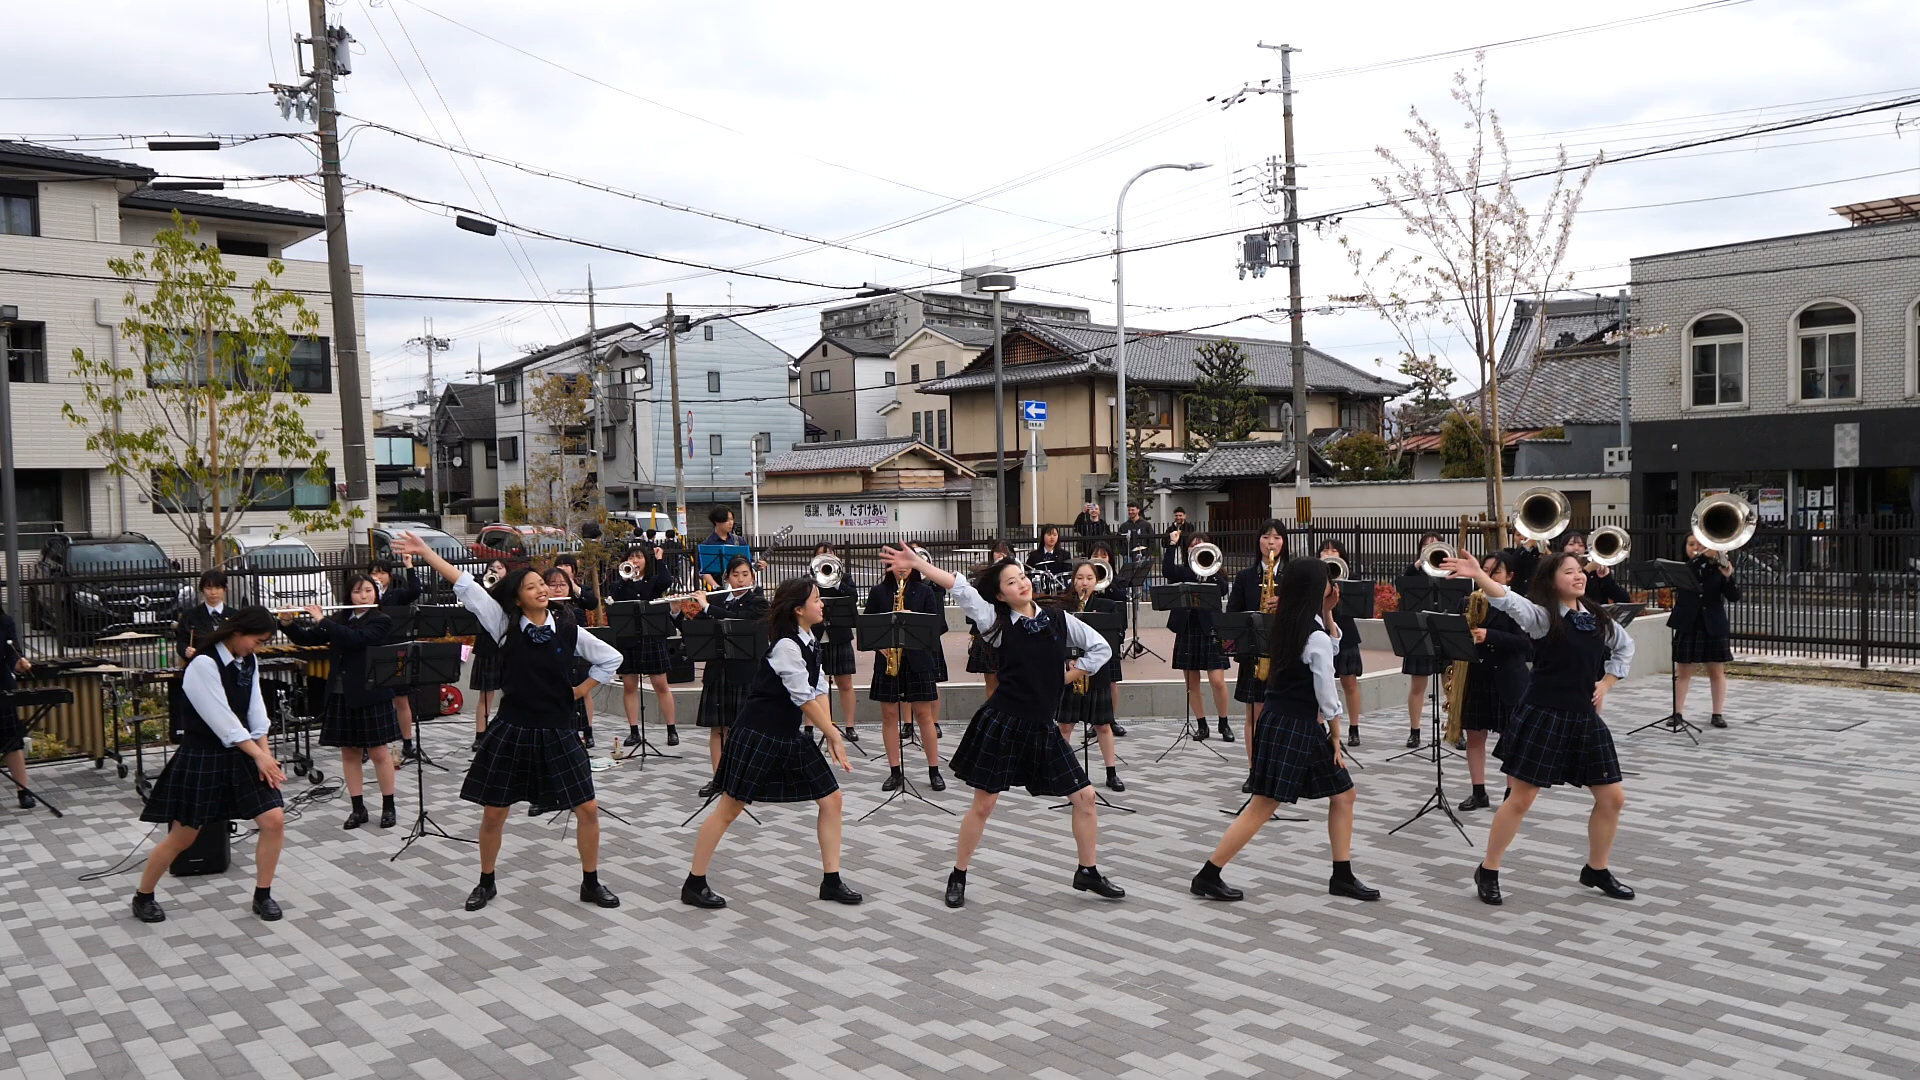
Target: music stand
(403, 667)
(719, 641)
(1111, 625)
(638, 620)
(1678, 576)
(916, 630)
(1423, 592)
(1432, 635)
(1134, 575)
(1356, 598)
(713, 558)
(436, 621)
(1187, 596)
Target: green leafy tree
(1221, 407)
(200, 420)
(1363, 455)
(561, 488)
(1429, 399)
(1461, 451)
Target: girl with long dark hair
(563, 593)
(357, 719)
(1347, 665)
(1246, 595)
(768, 757)
(398, 591)
(1013, 739)
(483, 678)
(1296, 754)
(1702, 637)
(837, 657)
(1496, 680)
(1419, 669)
(913, 691)
(1556, 734)
(1195, 648)
(723, 685)
(222, 769)
(982, 659)
(530, 752)
(646, 657)
(1118, 592)
(1092, 703)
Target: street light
(994, 285)
(1120, 315)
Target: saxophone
(1080, 685)
(894, 656)
(1264, 665)
(1456, 678)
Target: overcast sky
(837, 120)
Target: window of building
(27, 352)
(510, 448)
(916, 425)
(1828, 347)
(942, 443)
(707, 331)
(713, 445)
(509, 391)
(392, 450)
(939, 369)
(493, 454)
(913, 373)
(890, 378)
(19, 208)
(836, 434)
(310, 366)
(764, 441)
(822, 381)
(1159, 408)
(240, 245)
(713, 382)
(1717, 361)
(1360, 414)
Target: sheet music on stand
(724, 639)
(435, 621)
(1247, 631)
(838, 626)
(1419, 592)
(632, 620)
(1356, 599)
(1666, 574)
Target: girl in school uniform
(1195, 648)
(484, 678)
(646, 657)
(356, 718)
(723, 684)
(1091, 702)
(1347, 665)
(837, 657)
(1118, 592)
(1496, 681)
(915, 688)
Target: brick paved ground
(1775, 934)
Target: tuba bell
(1336, 567)
(1609, 545)
(826, 570)
(1433, 558)
(1102, 575)
(490, 579)
(1541, 513)
(1724, 522)
(1204, 559)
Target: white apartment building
(62, 216)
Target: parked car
(90, 587)
(521, 545)
(275, 572)
(434, 589)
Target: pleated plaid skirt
(364, 726)
(643, 656)
(484, 672)
(1347, 662)
(836, 657)
(1484, 709)
(982, 658)
(909, 685)
(1422, 665)
(759, 766)
(1247, 688)
(546, 768)
(1694, 647)
(1000, 751)
(1198, 650)
(1094, 707)
(1545, 747)
(1293, 758)
(201, 785)
(939, 666)
(720, 699)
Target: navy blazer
(347, 641)
(1506, 651)
(1180, 620)
(921, 597)
(1705, 611)
(1245, 594)
(1607, 590)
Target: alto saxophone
(1264, 666)
(1080, 685)
(894, 656)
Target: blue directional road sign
(1033, 412)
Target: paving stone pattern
(1774, 935)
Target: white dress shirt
(1095, 652)
(1533, 619)
(1318, 655)
(207, 693)
(787, 661)
(475, 598)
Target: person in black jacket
(564, 592)
(1701, 634)
(916, 687)
(1120, 594)
(1248, 584)
(356, 718)
(1496, 680)
(1195, 648)
(645, 657)
(202, 620)
(1418, 669)
(724, 683)
(13, 737)
(1091, 703)
(1602, 586)
(483, 675)
(1347, 665)
(398, 592)
(1050, 565)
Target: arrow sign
(1033, 412)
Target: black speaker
(208, 854)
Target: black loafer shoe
(1246, 786)
(478, 898)
(1353, 736)
(1226, 733)
(1488, 883)
(267, 908)
(850, 735)
(356, 818)
(1095, 882)
(701, 897)
(147, 909)
(839, 893)
(476, 744)
(1119, 731)
(632, 739)
(28, 802)
(935, 780)
(1716, 720)
(388, 818)
(712, 788)
(1476, 801)
(1200, 732)
(1605, 882)
(1413, 739)
(895, 780)
(1214, 889)
(1114, 783)
(586, 738)
(956, 891)
(599, 895)
(1351, 889)
(673, 736)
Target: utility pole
(432, 344)
(679, 452)
(1302, 452)
(346, 336)
(1626, 351)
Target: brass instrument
(1102, 575)
(1080, 685)
(1722, 523)
(1263, 666)
(1609, 545)
(895, 656)
(1456, 679)
(1433, 558)
(629, 572)
(490, 578)
(826, 570)
(1337, 567)
(1204, 559)
(1541, 513)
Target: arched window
(1717, 361)
(1827, 342)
